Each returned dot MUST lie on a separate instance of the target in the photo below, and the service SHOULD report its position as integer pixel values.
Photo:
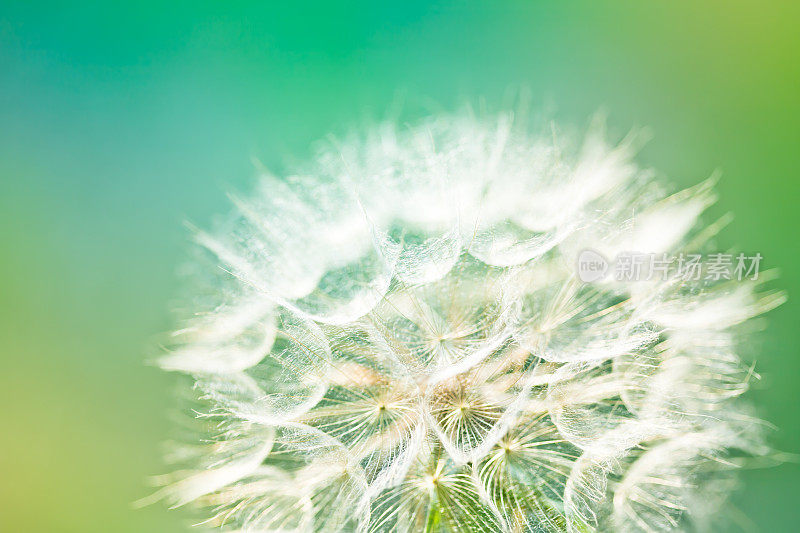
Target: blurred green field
(118, 122)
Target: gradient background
(119, 122)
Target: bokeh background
(118, 122)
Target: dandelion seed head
(397, 341)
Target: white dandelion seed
(398, 342)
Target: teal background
(118, 122)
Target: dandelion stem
(432, 523)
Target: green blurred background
(118, 122)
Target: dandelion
(396, 340)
